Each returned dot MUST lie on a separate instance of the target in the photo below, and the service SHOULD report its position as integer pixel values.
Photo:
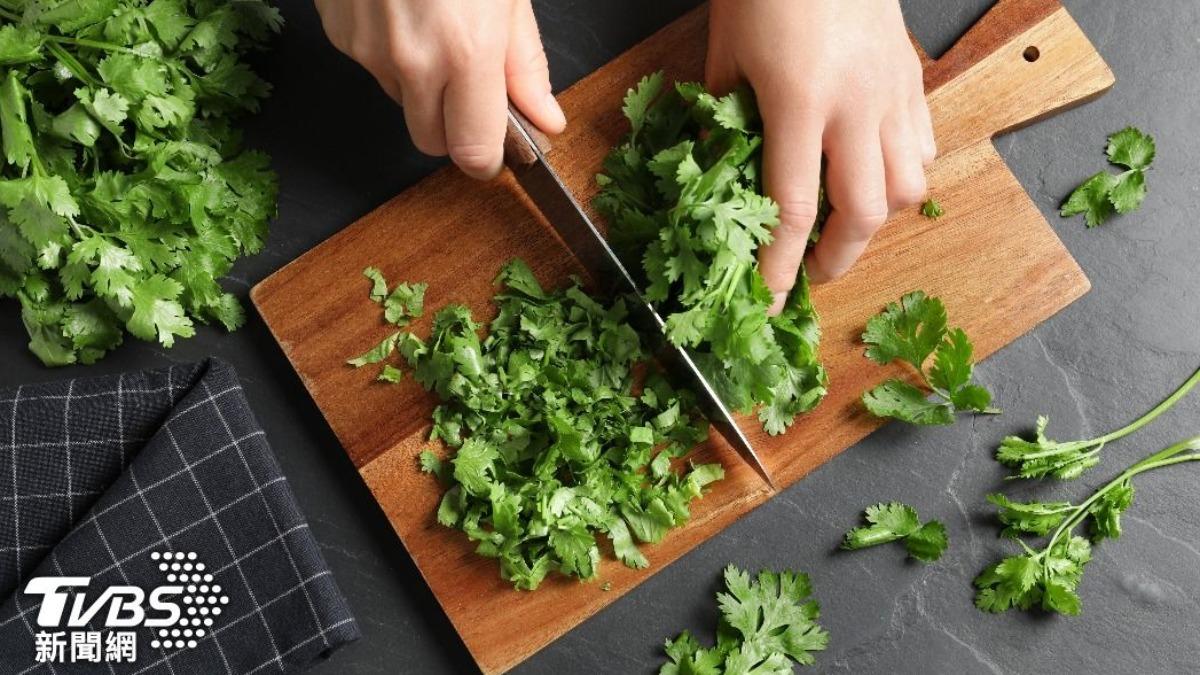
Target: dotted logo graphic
(202, 600)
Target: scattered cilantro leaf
(377, 353)
(551, 448)
(910, 331)
(766, 625)
(125, 194)
(1105, 194)
(1064, 460)
(895, 521)
(932, 209)
(1049, 577)
(683, 196)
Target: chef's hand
(453, 65)
(832, 76)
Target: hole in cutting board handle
(1031, 53)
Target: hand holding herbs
(683, 192)
(911, 331)
(553, 447)
(895, 521)
(1106, 194)
(766, 625)
(125, 191)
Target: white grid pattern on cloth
(179, 488)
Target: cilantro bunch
(124, 191)
(911, 331)
(1049, 577)
(766, 624)
(683, 193)
(557, 440)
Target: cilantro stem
(94, 44)
(1160, 459)
(72, 64)
(1154, 412)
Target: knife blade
(523, 154)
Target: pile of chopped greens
(894, 522)
(683, 193)
(556, 438)
(911, 331)
(766, 625)
(124, 189)
(1049, 577)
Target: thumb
(528, 75)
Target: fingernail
(779, 302)
(556, 111)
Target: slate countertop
(340, 148)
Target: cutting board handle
(1024, 60)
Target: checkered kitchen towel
(159, 478)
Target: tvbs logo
(179, 613)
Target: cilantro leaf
(1105, 194)
(932, 209)
(902, 401)
(910, 331)
(1036, 518)
(928, 543)
(684, 199)
(377, 353)
(767, 624)
(1131, 148)
(895, 521)
(121, 169)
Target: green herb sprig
(683, 196)
(125, 193)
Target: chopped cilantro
(556, 440)
(895, 521)
(932, 209)
(1049, 577)
(683, 195)
(766, 625)
(124, 191)
(1105, 194)
(911, 331)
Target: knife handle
(519, 139)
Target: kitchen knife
(523, 154)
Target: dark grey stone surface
(340, 149)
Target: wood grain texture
(993, 259)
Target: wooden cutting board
(993, 259)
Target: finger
(923, 126)
(528, 75)
(390, 86)
(792, 175)
(854, 181)
(422, 101)
(476, 114)
(904, 171)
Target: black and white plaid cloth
(150, 479)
